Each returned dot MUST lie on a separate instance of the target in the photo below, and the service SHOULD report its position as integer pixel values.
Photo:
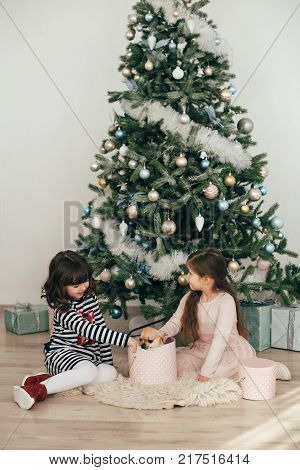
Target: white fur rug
(186, 391)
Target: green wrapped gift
(257, 320)
(24, 319)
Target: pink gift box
(258, 379)
(155, 365)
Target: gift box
(257, 320)
(24, 319)
(285, 331)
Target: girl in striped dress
(79, 350)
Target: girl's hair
(208, 262)
(65, 269)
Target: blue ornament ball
(269, 247)
(119, 134)
(146, 246)
(138, 239)
(172, 46)
(277, 223)
(263, 190)
(116, 312)
(223, 205)
(204, 164)
(217, 41)
(256, 223)
(87, 210)
(232, 88)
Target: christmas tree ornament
(138, 239)
(256, 223)
(262, 264)
(115, 270)
(191, 26)
(103, 149)
(109, 145)
(122, 172)
(200, 72)
(96, 221)
(130, 283)
(132, 164)
(184, 118)
(132, 211)
(280, 235)
(132, 19)
(199, 222)
(130, 34)
(229, 180)
(211, 191)
(149, 65)
(217, 41)
(126, 72)
(269, 248)
(87, 210)
(102, 182)
(233, 266)
(183, 279)
(204, 164)
(178, 73)
(123, 150)
(254, 194)
(176, 14)
(172, 45)
(137, 77)
(225, 95)
(263, 190)
(119, 134)
(277, 223)
(264, 171)
(168, 227)
(123, 228)
(223, 205)
(181, 161)
(153, 195)
(203, 154)
(245, 126)
(208, 71)
(265, 231)
(129, 54)
(139, 27)
(105, 276)
(95, 166)
(151, 42)
(144, 173)
(245, 209)
(116, 312)
(149, 17)
(232, 88)
(146, 246)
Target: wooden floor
(83, 423)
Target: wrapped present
(285, 331)
(24, 319)
(257, 320)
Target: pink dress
(220, 348)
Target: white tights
(84, 373)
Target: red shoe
(26, 396)
(35, 379)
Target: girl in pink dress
(210, 315)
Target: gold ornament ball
(149, 65)
(102, 149)
(130, 34)
(102, 182)
(229, 180)
(130, 283)
(126, 72)
(137, 77)
(181, 161)
(176, 14)
(109, 145)
(233, 266)
(183, 280)
(208, 71)
(168, 227)
(225, 95)
(153, 195)
(211, 191)
(265, 231)
(132, 211)
(245, 209)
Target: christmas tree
(175, 172)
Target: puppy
(151, 338)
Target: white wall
(45, 152)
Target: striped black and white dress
(80, 334)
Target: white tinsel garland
(207, 33)
(211, 140)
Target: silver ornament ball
(184, 119)
(96, 221)
(144, 173)
(132, 164)
(254, 194)
(277, 223)
(245, 126)
(95, 166)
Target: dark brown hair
(208, 262)
(65, 269)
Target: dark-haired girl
(79, 351)
(209, 314)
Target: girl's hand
(133, 343)
(202, 378)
